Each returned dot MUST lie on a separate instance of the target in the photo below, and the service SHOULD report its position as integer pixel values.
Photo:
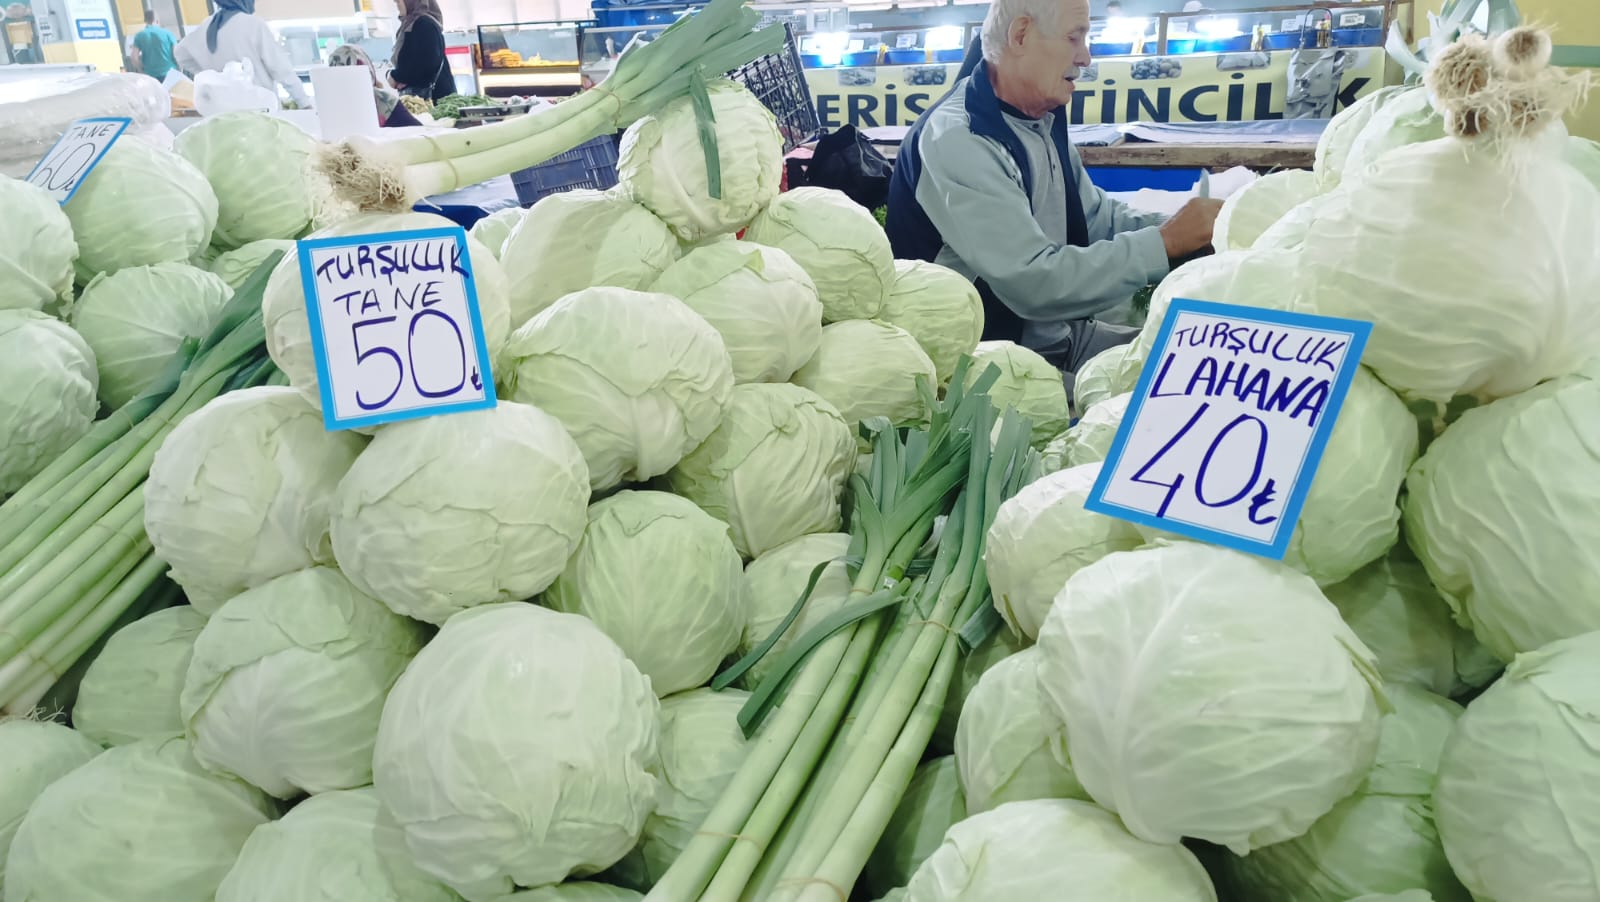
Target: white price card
(1228, 423)
(395, 326)
(69, 161)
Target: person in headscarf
(391, 112)
(235, 33)
(419, 62)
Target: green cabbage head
(1056, 849)
(140, 205)
(1333, 145)
(516, 751)
(574, 891)
(130, 691)
(235, 266)
(259, 167)
(242, 491)
(939, 307)
(333, 847)
(51, 402)
(663, 164)
(774, 582)
(933, 803)
(518, 495)
(36, 755)
(866, 369)
(639, 380)
(493, 230)
(1252, 209)
(1027, 382)
(1005, 743)
(1159, 661)
(774, 469)
(136, 319)
(1519, 782)
(36, 248)
(661, 578)
(837, 242)
(112, 830)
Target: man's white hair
(997, 24)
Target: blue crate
(590, 165)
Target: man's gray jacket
(981, 188)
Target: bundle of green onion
(74, 558)
(393, 175)
(841, 723)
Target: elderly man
(987, 184)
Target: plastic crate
(779, 82)
(589, 165)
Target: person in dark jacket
(391, 112)
(420, 67)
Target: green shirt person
(154, 45)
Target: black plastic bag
(846, 161)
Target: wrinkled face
(1048, 54)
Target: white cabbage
(933, 803)
(758, 299)
(515, 750)
(1269, 279)
(1501, 510)
(1407, 117)
(574, 891)
(663, 164)
(50, 400)
(514, 510)
(774, 469)
(334, 847)
(1027, 382)
(36, 755)
(974, 664)
(130, 691)
(638, 379)
(838, 243)
(661, 578)
(283, 306)
(1006, 739)
(492, 231)
(260, 168)
(1382, 838)
(36, 248)
(866, 368)
(1089, 440)
(1457, 308)
(1584, 155)
(235, 266)
(1055, 849)
(1393, 607)
(287, 680)
(939, 307)
(1248, 212)
(582, 239)
(1290, 231)
(1040, 537)
(1099, 378)
(140, 205)
(136, 319)
(1519, 783)
(1193, 715)
(142, 822)
(243, 490)
(1333, 145)
(774, 582)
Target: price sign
(395, 326)
(1228, 423)
(65, 166)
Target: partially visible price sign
(65, 166)
(1228, 423)
(395, 326)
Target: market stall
(678, 544)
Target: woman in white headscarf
(235, 33)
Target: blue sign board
(93, 29)
(1228, 422)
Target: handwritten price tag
(1228, 423)
(74, 155)
(395, 326)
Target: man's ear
(1018, 32)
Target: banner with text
(1230, 87)
(1228, 423)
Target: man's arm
(969, 193)
(278, 65)
(1108, 216)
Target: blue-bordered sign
(395, 326)
(63, 168)
(93, 29)
(1228, 423)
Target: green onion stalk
(74, 558)
(846, 713)
(391, 176)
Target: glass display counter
(529, 59)
(1362, 23)
(599, 48)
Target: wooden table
(1200, 156)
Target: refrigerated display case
(522, 59)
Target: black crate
(779, 82)
(589, 165)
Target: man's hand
(1190, 229)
